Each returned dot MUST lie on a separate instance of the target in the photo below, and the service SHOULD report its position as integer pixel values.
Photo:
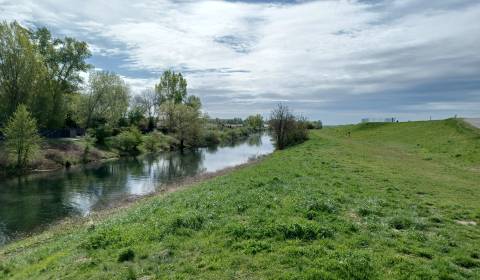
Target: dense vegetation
(40, 77)
(371, 201)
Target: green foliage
(255, 122)
(253, 223)
(127, 142)
(21, 70)
(106, 100)
(22, 139)
(188, 125)
(39, 71)
(314, 125)
(100, 133)
(211, 137)
(156, 142)
(172, 87)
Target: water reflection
(30, 202)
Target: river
(29, 203)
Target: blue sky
(338, 61)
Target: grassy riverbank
(385, 201)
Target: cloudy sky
(338, 61)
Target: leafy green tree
(106, 100)
(255, 122)
(63, 60)
(39, 71)
(172, 86)
(22, 139)
(168, 115)
(188, 125)
(194, 102)
(20, 69)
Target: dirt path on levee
(474, 121)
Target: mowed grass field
(387, 201)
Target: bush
(100, 133)
(156, 142)
(315, 125)
(211, 138)
(127, 142)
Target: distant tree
(172, 86)
(255, 122)
(286, 128)
(314, 125)
(106, 99)
(22, 139)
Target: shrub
(314, 125)
(22, 139)
(157, 141)
(100, 133)
(211, 138)
(128, 141)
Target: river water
(29, 203)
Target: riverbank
(57, 154)
(372, 201)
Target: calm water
(29, 203)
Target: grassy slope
(383, 203)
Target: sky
(337, 61)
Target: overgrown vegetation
(42, 73)
(364, 205)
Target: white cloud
(320, 56)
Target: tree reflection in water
(30, 202)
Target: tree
(194, 102)
(286, 128)
(63, 60)
(147, 103)
(187, 125)
(22, 139)
(172, 86)
(106, 100)
(20, 69)
(39, 71)
(255, 122)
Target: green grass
(390, 201)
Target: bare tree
(286, 128)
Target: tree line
(41, 87)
